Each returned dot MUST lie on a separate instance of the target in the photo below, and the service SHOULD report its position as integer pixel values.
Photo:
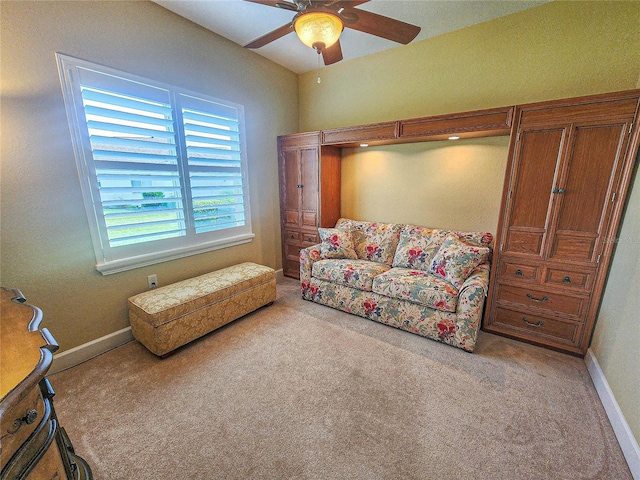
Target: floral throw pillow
(377, 242)
(336, 243)
(417, 246)
(455, 260)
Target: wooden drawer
(535, 327)
(516, 271)
(292, 251)
(42, 437)
(50, 465)
(550, 302)
(291, 268)
(310, 238)
(291, 236)
(574, 279)
(19, 422)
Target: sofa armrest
(308, 256)
(473, 292)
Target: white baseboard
(82, 353)
(626, 439)
(279, 275)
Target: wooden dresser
(33, 445)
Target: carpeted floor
(301, 391)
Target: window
(163, 171)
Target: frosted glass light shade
(318, 29)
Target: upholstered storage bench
(169, 317)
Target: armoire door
(585, 193)
(535, 174)
(309, 172)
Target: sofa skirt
(455, 329)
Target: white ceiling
(242, 22)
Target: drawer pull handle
(518, 273)
(538, 324)
(566, 279)
(559, 190)
(309, 239)
(292, 236)
(539, 300)
(298, 186)
(28, 419)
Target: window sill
(116, 266)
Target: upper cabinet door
(309, 168)
(586, 190)
(290, 188)
(536, 171)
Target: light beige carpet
(300, 391)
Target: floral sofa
(426, 281)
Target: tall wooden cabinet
(309, 193)
(568, 173)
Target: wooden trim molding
(480, 123)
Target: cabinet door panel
(529, 212)
(290, 192)
(588, 187)
(309, 169)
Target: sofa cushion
(418, 245)
(456, 258)
(352, 273)
(417, 286)
(336, 243)
(373, 241)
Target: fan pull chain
(319, 79)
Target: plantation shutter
(212, 137)
(162, 170)
(131, 133)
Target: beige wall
(617, 334)
(557, 50)
(46, 248)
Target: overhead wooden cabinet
(309, 194)
(568, 174)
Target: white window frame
(111, 259)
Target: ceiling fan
(319, 23)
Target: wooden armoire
(309, 178)
(569, 169)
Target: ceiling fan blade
(385, 27)
(276, 3)
(350, 3)
(270, 37)
(333, 54)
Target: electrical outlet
(152, 280)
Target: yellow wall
(557, 50)
(433, 184)
(46, 248)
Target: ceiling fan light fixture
(318, 29)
